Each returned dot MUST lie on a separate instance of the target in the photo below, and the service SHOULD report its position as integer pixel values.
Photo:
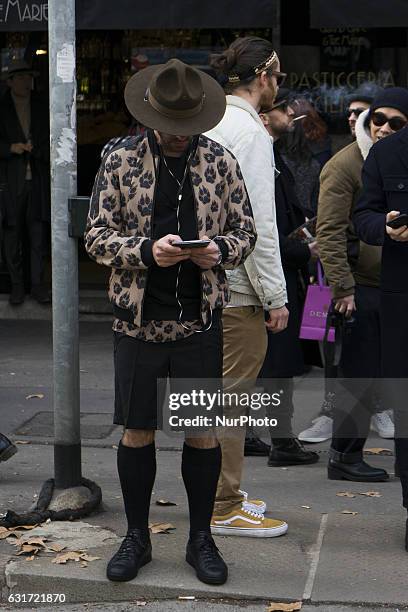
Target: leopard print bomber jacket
(120, 220)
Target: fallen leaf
(161, 527)
(345, 494)
(38, 541)
(378, 451)
(27, 548)
(55, 547)
(165, 502)
(30, 558)
(86, 557)
(371, 494)
(6, 533)
(84, 564)
(22, 442)
(26, 526)
(349, 512)
(35, 396)
(307, 507)
(284, 607)
(71, 555)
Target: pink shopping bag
(317, 304)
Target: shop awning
(21, 15)
(358, 14)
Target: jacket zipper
(151, 231)
(201, 273)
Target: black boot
(41, 294)
(134, 552)
(17, 295)
(289, 451)
(204, 556)
(7, 448)
(254, 447)
(356, 472)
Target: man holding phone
(151, 195)
(384, 204)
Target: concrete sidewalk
(333, 562)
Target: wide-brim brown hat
(175, 98)
(17, 67)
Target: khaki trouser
(245, 344)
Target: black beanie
(394, 97)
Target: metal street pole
(67, 443)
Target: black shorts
(139, 365)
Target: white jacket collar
(363, 136)
(246, 106)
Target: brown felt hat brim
(211, 113)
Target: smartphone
(398, 221)
(191, 244)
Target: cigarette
(300, 117)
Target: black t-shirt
(160, 301)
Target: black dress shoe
(289, 451)
(356, 472)
(40, 294)
(16, 295)
(254, 447)
(7, 448)
(134, 552)
(204, 556)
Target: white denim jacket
(260, 280)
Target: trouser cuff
(345, 457)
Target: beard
(268, 97)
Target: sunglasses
(395, 123)
(356, 111)
(280, 77)
(282, 106)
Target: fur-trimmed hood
(363, 136)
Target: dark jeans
(360, 371)
(13, 238)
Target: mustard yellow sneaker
(243, 522)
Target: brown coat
(346, 261)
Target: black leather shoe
(40, 294)
(16, 295)
(356, 472)
(204, 556)
(7, 448)
(289, 451)
(254, 447)
(134, 552)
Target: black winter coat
(385, 188)
(13, 167)
(285, 356)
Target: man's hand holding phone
(399, 234)
(206, 257)
(166, 254)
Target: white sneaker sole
(249, 532)
(385, 436)
(313, 440)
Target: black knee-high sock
(137, 471)
(200, 468)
